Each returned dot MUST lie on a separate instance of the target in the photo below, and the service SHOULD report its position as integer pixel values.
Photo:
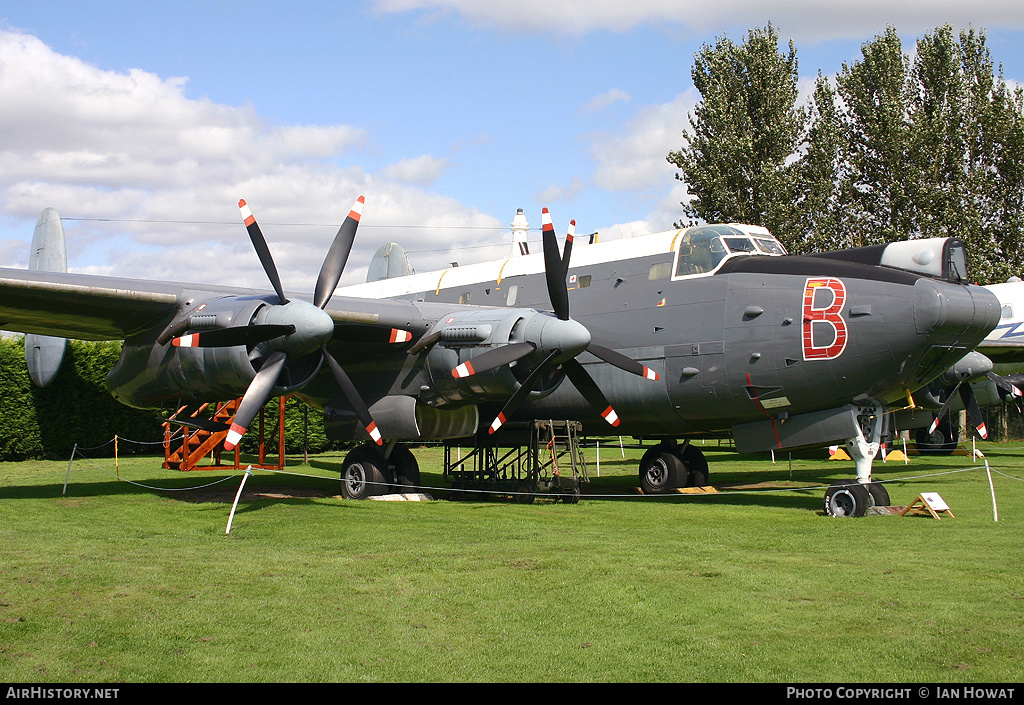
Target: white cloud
(554, 193)
(600, 102)
(634, 160)
(131, 148)
(799, 19)
(422, 171)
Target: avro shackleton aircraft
(691, 333)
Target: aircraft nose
(943, 308)
(952, 319)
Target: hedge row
(77, 409)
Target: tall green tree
(820, 217)
(746, 126)
(877, 186)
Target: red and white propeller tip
(357, 209)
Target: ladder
(188, 445)
(539, 456)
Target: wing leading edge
(83, 306)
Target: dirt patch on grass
(226, 495)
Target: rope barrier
(471, 491)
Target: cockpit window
(701, 249)
(739, 244)
(772, 247)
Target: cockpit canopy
(701, 249)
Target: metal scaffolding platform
(536, 459)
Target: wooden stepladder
(928, 503)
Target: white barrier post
(248, 471)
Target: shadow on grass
(740, 481)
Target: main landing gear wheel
(696, 467)
(847, 498)
(362, 474)
(407, 470)
(660, 470)
(879, 496)
(941, 441)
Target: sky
(144, 123)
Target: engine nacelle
(151, 372)
(403, 418)
(464, 335)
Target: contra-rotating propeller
(291, 329)
(564, 339)
(1005, 385)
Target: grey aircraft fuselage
(758, 340)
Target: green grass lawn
(118, 582)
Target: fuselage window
(661, 270)
(584, 281)
(1007, 311)
(513, 291)
(464, 298)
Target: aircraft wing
(83, 306)
(91, 307)
(1002, 350)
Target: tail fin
(43, 353)
(389, 261)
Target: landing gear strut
(853, 498)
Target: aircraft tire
(660, 470)
(407, 470)
(878, 495)
(696, 467)
(847, 498)
(361, 474)
(942, 442)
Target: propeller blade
(262, 250)
(337, 256)
(586, 386)
(554, 270)
(1004, 384)
(567, 248)
(516, 400)
(354, 398)
(236, 335)
(255, 397)
(945, 406)
(619, 360)
(973, 410)
(495, 357)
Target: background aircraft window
(661, 270)
(584, 281)
(464, 298)
(1007, 311)
(513, 291)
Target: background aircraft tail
(43, 353)
(389, 261)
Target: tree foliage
(893, 147)
(734, 162)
